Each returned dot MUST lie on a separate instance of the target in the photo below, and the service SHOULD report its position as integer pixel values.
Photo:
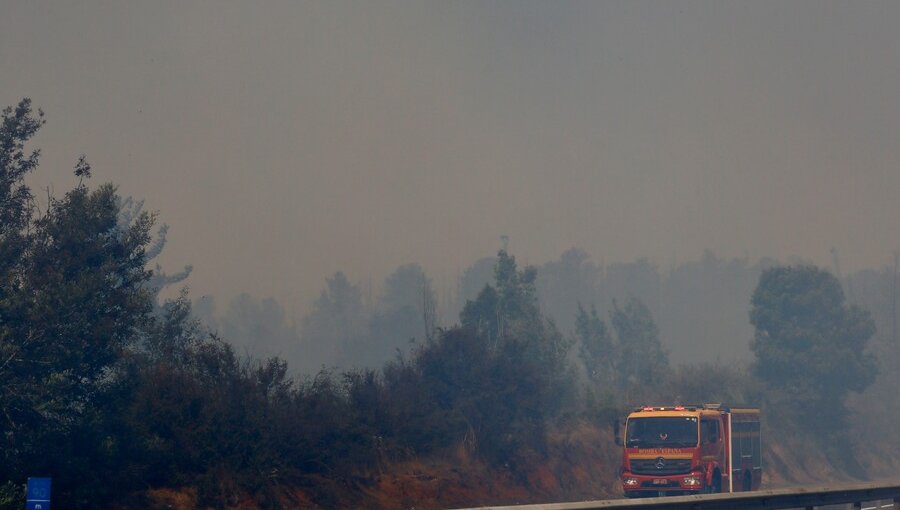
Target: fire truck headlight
(631, 482)
(692, 481)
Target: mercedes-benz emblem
(660, 463)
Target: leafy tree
(877, 292)
(403, 288)
(639, 279)
(129, 211)
(405, 313)
(704, 309)
(499, 397)
(472, 281)
(260, 328)
(810, 346)
(505, 356)
(596, 347)
(85, 286)
(564, 284)
(508, 308)
(630, 358)
(73, 299)
(336, 326)
(711, 382)
(483, 314)
(642, 361)
(18, 127)
(73, 303)
(509, 311)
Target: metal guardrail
(799, 497)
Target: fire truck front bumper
(636, 486)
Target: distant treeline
(701, 308)
(113, 394)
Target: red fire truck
(690, 449)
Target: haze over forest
(426, 255)
(283, 145)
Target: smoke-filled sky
(283, 141)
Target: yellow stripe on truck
(665, 456)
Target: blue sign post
(38, 495)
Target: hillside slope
(581, 462)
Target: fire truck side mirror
(616, 433)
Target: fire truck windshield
(665, 432)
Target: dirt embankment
(581, 462)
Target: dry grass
(581, 462)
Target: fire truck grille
(660, 466)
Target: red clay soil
(581, 463)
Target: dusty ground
(582, 463)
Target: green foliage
(260, 327)
(131, 211)
(18, 126)
(597, 350)
(563, 285)
(403, 288)
(631, 362)
(810, 345)
(405, 315)
(79, 302)
(73, 303)
(501, 395)
(509, 308)
(336, 324)
(642, 361)
(12, 496)
(711, 382)
(508, 361)
(16, 129)
(472, 281)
